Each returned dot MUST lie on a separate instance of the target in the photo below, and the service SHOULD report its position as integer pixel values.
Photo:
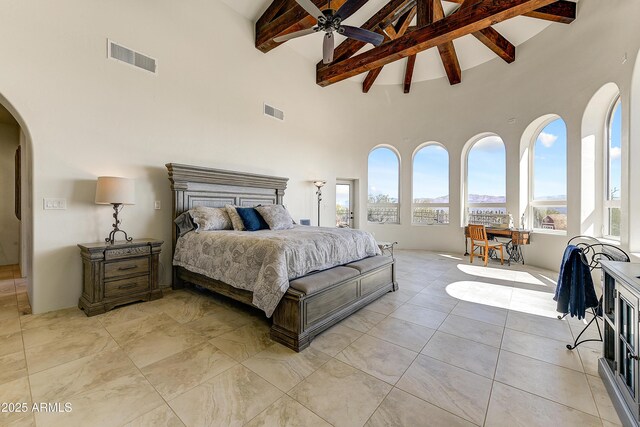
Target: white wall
(89, 116)
(9, 224)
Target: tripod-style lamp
(115, 191)
(319, 183)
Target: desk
(518, 237)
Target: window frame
(542, 203)
(396, 205)
(608, 203)
(414, 205)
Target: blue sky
(431, 173)
(615, 160)
(486, 167)
(383, 172)
(550, 162)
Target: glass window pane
(383, 214)
(430, 216)
(383, 176)
(550, 163)
(486, 171)
(431, 175)
(615, 153)
(614, 222)
(550, 218)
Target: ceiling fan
(330, 21)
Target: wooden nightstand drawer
(126, 267)
(122, 287)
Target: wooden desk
(518, 237)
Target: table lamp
(115, 191)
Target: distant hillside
(473, 198)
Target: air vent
(273, 112)
(131, 57)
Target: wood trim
(408, 73)
(181, 175)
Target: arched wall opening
(384, 191)
(26, 198)
(634, 158)
(430, 184)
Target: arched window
(383, 186)
(430, 185)
(548, 182)
(486, 180)
(613, 172)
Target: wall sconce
(319, 183)
(117, 192)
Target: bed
(300, 307)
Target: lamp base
(111, 239)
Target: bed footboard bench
(316, 302)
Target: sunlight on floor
(450, 257)
(502, 274)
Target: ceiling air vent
(273, 112)
(124, 54)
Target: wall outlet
(55, 204)
(157, 204)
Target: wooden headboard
(198, 186)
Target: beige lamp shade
(114, 190)
(319, 182)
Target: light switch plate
(157, 204)
(54, 204)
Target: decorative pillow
(184, 223)
(238, 225)
(251, 219)
(210, 218)
(276, 216)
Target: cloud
(615, 153)
(547, 139)
(490, 143)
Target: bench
(315, 302)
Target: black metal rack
(592, 251)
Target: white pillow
(210, 218)
(236, 221)
(276, 216)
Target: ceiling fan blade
(362, 35)
(327, 48)
(311, 8)
(349, 8)
(294, 35)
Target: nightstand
(119, 274)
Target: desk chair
(478, 236)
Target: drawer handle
(131, 267)
(132, 285)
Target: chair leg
(486, 255)
(471, 254)
(501, 256)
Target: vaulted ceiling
(442, 38)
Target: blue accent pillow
(251, 219)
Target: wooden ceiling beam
(408, 73)
(497, 43)
(447, 50)
(480, 15)
(562, 11)
(393, 32)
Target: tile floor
(457, 345)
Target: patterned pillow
(238, 225)
(210, 218)
(276, 216)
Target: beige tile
(230, 399)
(16, 391)
(482, 291)
(460, 392)
(138, 311)
(220, 322)
(162, 416)
(589, 357)
(402, 333)
(8, 312)
(52, 318)
(244, 342)
(65, 350)
(182, 371)
(10, 325)
(153, 338)
(385, 305)
(286, 412)
(7, 288)
(603, 401)
(510, 407)
(400, 409)
(341, 394)
(552, 382)
(540, 325)
(484, 313)
(11, 343)
(481, 332)
(26, 421)
(186, 307)
(284, 367)
(75, 377)
(8, 301)
(606, 423)
(470, 355)
(541, 348)
(113, 403)
(420, 315)
(379, 358)
(43, 335)
(12, 367)
(363, 320)
(335, 339)
(434, 302)
(534, 302)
